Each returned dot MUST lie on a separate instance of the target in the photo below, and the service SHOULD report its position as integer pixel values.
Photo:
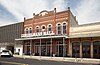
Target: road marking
(13, 63)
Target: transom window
(64, 28)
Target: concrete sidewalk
(66, 59)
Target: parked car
(6, 53)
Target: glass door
(43, 50)
(60, 50)
(36, 50)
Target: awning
(46, 37)
(82, 36)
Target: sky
(13, 11)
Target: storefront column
(23, 47)
(64, 47)
(70, 48)
(34, 48)
(58, 48)
(46, 48)
(40, 49)
(80, 49)
(91, 49)
(51, 47)
(30, 47)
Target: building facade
(46, 33)
(52, 33)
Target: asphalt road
(21, 61)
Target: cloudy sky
(13, 11)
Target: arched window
(26, 30)
(50, 28)
(64, 28)
(37, 29)
(86, 48)
(30, 30)
(59, 29)
(43, 28)
(76, 49)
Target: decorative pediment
(42, 13)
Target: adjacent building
(8, 34)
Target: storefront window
(75, 49)
(86, 48)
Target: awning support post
(63, 47)
(40, 49)
(51, 48)
(30, 47)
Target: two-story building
(52, 33)
(47, 33)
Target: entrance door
(43, 50)
(28, 50)
(48, 50)
(36, 50)
(60, 50)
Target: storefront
(45, 46)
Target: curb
(66, 59)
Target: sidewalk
(66, 59)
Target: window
(64, 28)
(30, 30)
(37, 29)
(43, 28)
(50, 28)
(59, 29)
(26, 30)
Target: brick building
(46, 33)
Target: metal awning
(47, 37)
(82, 36)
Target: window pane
(59, 29)
(64, 29)
(30, 30)
(37, 29)
(26, 31)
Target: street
(21, 61)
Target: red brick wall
(53, 19)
